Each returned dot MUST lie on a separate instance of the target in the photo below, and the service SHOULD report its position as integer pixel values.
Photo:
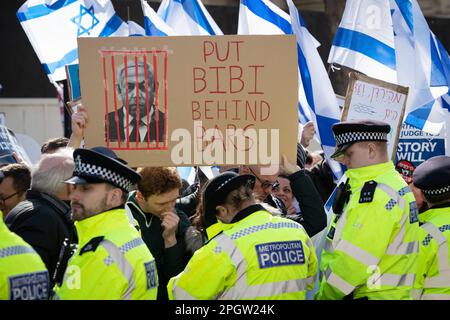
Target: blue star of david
(78, 20)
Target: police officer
(432, 177)
(257, 255)
(371, 250)
(23, 275)
(111, 262)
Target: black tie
(136, 127)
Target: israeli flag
(317, 101)
(422, 65)
(53, 26)
(134, 29)
(432, 116)
(364, 40)
(317, 86)
(154, 25)
(264, 17)
(188, 17)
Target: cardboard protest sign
(194, 100)
(8, 145)
(373, 99)
(415, 146)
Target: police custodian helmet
(433, 176)
(95, 167)
(218, 189)
(348, 132)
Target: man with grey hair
(43, 219)
(136, 120)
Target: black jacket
(314, 217)
(169, 261)
(122, 130)
(43, 221)
(189, 200)
(322, 177)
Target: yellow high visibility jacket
(433, 280)
(371, 250)
(258, 257)
(23, 275)
(112, 262)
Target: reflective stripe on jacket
(119, 266)
(372, 249)
(433, 281)
(23, 275)
(258, 257)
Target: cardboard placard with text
(373, 99)
(192, 100)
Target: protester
(227, 268)
(111, 262)
(23, 275)
(54, 144)
(165, 230)
(313, 213)
(320, 173)
(371, 250)
(432, 177)
(16, 180)
(264, 185)
(43, 218)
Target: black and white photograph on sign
(137, 119)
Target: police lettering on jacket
(274, 254)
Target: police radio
(68, 249)
(342, 196)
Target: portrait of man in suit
(138, 112)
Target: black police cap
(433, 176)
(95, 167)
(108, 152)
(348, 132)
(218, 189)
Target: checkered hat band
(356, 136)
(436, 192)
(94, 171)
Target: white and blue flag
(188, 17)
(134, 29)
(429, 79)
(390, 40)
(153, 24)
(317, 86)
(317, 101)
(53, 26)
(364, 40)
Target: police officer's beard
(79, 211)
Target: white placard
(373, 99)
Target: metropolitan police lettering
(150, 270)
(29, 286)
(275, 254)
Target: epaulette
(368, 191)
(92, 245)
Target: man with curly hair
(166, 231)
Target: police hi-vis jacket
(258, 256)
(371, 250)
(111, 262)
(434, 276)
(23, 275)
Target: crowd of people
(82, 224)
